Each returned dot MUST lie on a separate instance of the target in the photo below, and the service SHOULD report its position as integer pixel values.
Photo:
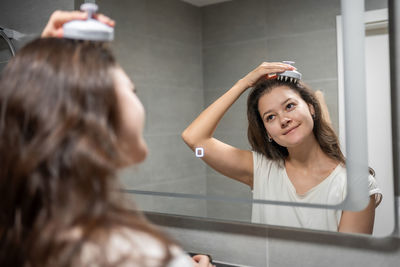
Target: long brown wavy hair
(257, 134)
(59, 155)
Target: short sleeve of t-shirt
(374, 189)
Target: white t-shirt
(271, 182)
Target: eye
(290, 106)
(269, 118)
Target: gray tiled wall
(28, 18)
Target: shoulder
(127, 247)
(339, 173)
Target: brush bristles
(286, 79)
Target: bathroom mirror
(182, 56)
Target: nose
(285, 122)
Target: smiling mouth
(285, 133)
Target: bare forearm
(359, 221)
(204, 125)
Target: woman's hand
(202, 261)
(58, 18)
(263, 70)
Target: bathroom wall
(27, 17)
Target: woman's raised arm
(228, 160)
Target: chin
(135, 155)
(292, 142)
(141, 154)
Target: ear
(312, 110)
(267, 132)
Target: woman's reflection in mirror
(295, 154)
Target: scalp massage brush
(89, 29)
(289, 75)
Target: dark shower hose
(10, 45)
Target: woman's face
(286, 116)
(132, 117)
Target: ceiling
(200, 3)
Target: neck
(307, 154)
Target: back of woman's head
(58, 150)
(257, 133)
(57, 114)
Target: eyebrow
(283, 103)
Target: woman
(296, 155)
(69, 119)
